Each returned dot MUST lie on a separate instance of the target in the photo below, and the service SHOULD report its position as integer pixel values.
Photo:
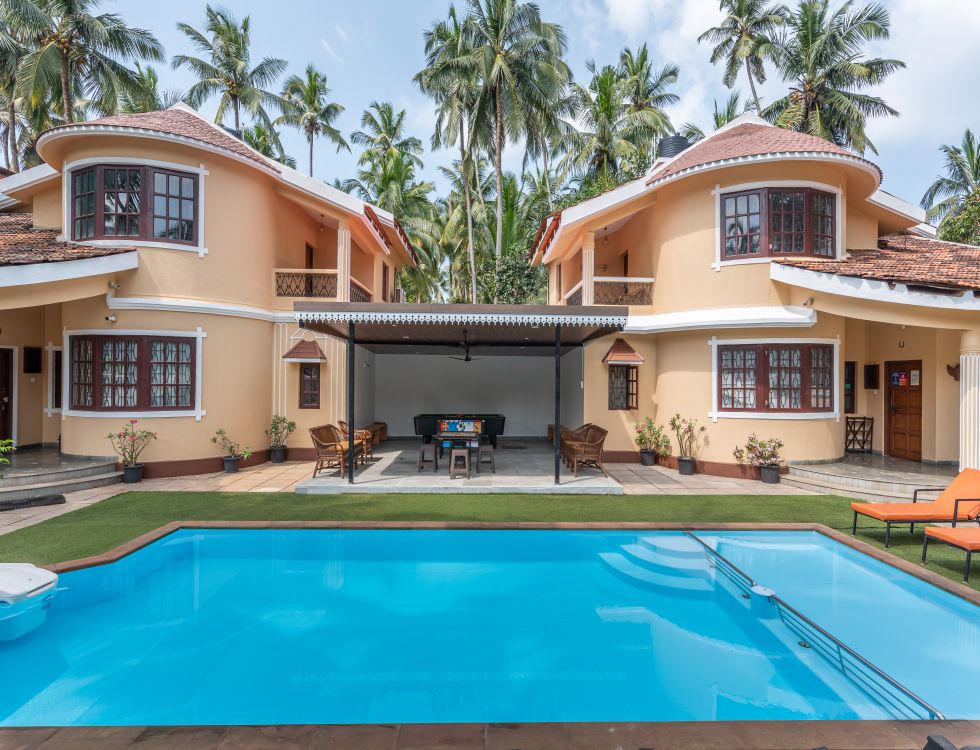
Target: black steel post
(557, 404)
(351, 458)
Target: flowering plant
(279, 431)
(652, 437)
(230, 448)
(130, 442)
(6, 446)
(757, 452)
(688, 434)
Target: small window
(743, 225)
(83, 204)
(309, 386)
(384, 282)
(623, 391)
(122, 202)
(82, 365)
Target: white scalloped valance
(525, 319)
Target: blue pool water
(323, 626)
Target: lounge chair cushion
(965, 486)
(966, 539)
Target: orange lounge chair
(967, 540)
(960, 501)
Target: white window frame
(720, 190)
(199, 170)
(49, 408)
(716, 413)
(197, 412)
(15, 380)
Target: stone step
(62, 487)
(47, 476)
(832, 488)
(674, 545)
(644, 556)
(895, 484)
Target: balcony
(359, 292)
(306, 283)
(614, 290)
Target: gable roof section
(904, 259)
(305, 351)
(21, 244)
(621, 353)
(181, 121)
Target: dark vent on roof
(671, 146)
(233, 132)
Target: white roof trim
(896, 205)
(42, 273)
(923, 230)
(526, 319)
(869, 289)
(200, 307)
(27, 178)
(771, 316)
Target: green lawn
(102, 526)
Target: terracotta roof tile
(904, 259)
(21, 244)
(748, 139)
(621, 353)
(178, 121)
(305, 350)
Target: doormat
(33, 502)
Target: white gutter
(771, 316)
(43, 273)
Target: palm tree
(145, 95)
(743, 39)
(722, 116)
(610, 133)
(227, 69)
(519, 59)
(383, 137)
(12, 51)
(946, 195)
(646, 90)
(77, 51)
(449, 78)
(305, 107)
(268, 144)
(821, 55)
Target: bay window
(778, 377)
(767, 222)
(131, 373)
(134, 202)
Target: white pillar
(343, 262)
(588, 269)
(970, 400)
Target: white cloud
(341, 33)
(330, 50)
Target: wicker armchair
(331, 449)
(570, 436)
(587, 451)
(363, 437)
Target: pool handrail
(839, 648)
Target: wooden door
(6, 393)
(309, 267)
(903, 427)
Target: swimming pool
(401, 626)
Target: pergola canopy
(436, 329)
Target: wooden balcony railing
(623, 290)
(311, 283)
(359, 293)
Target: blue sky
(371, 49)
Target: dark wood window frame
(814, 372)
(816, 221)
(309, 385)
(630, 375)
(149, 201)
(88, 373)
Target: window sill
(197, 414)
(718, 265)
(779, 415)
(137, 242)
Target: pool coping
(133, 545)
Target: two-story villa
(760, 281)
(148, 269)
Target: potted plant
(763, 454)
(129, 443)
(6, 446)
(653, 442)
(233, 452)
(688, 434)
(278, 432)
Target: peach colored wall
(20, 328)
(676, 378)
(861, 229)
(362, 266)
(46, 206)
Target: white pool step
(687, 584)
(648, 557)
(674, 546)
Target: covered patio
(448, 360)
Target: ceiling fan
(465, 344)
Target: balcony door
(903, 420)
(7, 375)
(309, 267)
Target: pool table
(427, 425)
